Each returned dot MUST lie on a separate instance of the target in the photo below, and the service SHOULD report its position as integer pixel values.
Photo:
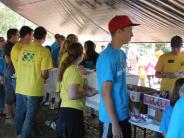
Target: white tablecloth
(93, 102)
(153, 126)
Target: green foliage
(144, 48)
(163, 46)
(10, 19)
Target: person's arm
(106, 95)
(74, 93)
(159, 74)
(45, 74)
(46, 63)
(13, 56)
(159, 69)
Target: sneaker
(51, 124)
(19, 136)
(2, 113)
(9, 121)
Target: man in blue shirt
(2, 43)
(57, 50)
(176, 124)
(54, 45)
(111, 74)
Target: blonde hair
(70, 39)
(75, 51)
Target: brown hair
(70, 39)
(175, 93)
(176, 42)
(75, 50)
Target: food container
(135, 96)
(156, 105)
(132, 79)
(154, 113)
(179, 74)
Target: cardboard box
(156, 102)
(154, 113)
(156, 105)
(136, 94)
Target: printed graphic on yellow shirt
(28, 56)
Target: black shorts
(106, 129)
(73, 122)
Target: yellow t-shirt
(169, 63)
(33, 59)
(62, 58)
(72, 76)
(15, 52)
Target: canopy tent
(160, 19)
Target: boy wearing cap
(170, 63)
(111, 74)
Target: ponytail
(66, 63)
(75, 50)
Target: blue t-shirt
(1, 63)
(111, 66)
(55, 54)
(164, 124)
(1, 67)
(176, 125)
(1, 54)
(54, 46)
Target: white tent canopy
(160, 20)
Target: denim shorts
(9, 92)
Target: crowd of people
(25, 65)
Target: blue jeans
(26, 111)
(13, 83)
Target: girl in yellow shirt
(70, 39)
(73, 92)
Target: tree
(10, 19)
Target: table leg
(134, 131)
(144, 132)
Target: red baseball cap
(120, 22)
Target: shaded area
(91, 126)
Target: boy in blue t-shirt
(9, 91)
(1, 86)
(164, 124)
(2, 43)
(176, 125)
(178, 91)
(111, 75)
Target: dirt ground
(91, 125)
